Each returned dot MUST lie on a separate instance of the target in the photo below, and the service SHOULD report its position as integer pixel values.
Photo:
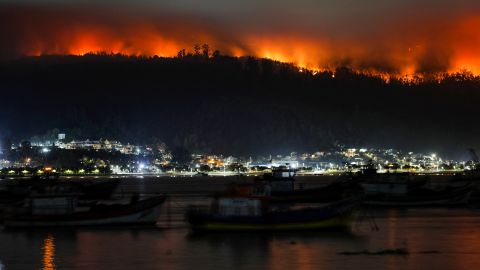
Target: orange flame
(410, 52)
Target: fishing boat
(416, 197)
(51, 210)
(223, 173)
(393, 184)
(92, 189)
(389, 183)
(281, 183)
(257, 212)
(407, 190)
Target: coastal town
(108, 156)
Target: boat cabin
(50, 205)
(239, 207)
(283, 173)
(282, 179)
(385, 188)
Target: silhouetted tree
(206, 50)
(216, 54)
(181, 53)
(196, 49)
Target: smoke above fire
(396, 46)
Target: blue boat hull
(332, 216)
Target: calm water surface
(435, 239)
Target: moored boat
(259, 213)
(447, 196)
(392, 184)
(91, 189)
(408, 190)
(64, 210)
(281, 183)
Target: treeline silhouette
(205, 101)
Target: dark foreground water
(434, 239)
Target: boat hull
(341, 222)
(452, 197)
(333, 216)
(143, 212)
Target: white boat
(183, 173)
(223, 173)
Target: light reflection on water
(452, 232)
(48, 248)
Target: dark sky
(331, 9)
(348, 14)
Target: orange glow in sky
(396, 49)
